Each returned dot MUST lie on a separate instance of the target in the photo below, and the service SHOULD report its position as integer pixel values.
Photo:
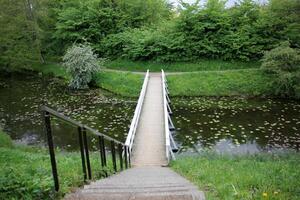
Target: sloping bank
(244, 82)
(25, 172)
(262, 176)
(122, 83)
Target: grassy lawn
(26, 171)
(262, 176)
(122, 83)
(248, 82)
(202, 65)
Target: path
(176, 73)
(148, 179)
(149, 144)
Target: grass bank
(237, 82)
(201, 65)
(121, 83)
(247, 82)
(262, 176)
(25, 172)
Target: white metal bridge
(150, 145)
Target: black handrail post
(82, 153)
(87, 153)
(113, 153)
(104, 151)
(126, 156)
(120, 148)
(51, 149)
(101, 150)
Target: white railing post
(169, 153)
(137, 113)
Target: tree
(81, 63)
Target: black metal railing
(124, 156)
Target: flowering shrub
(81, 63)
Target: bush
(284, 62)
(283, 58)
(5, 140)
(81, 63)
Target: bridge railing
(137, 114)
(169, 126)
(82, 129)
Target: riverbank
(126, 84)
(26, 171)
(234, 79)
(261, 176)
(244, 82)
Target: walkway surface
(148, 179)
(149, 144)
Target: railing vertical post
(87, 153)
(82, 153)
(129, 159)
(51, 149)
(101, 150)
(113, 153)
(126, 156)
(120, 148)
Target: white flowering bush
(81, 64)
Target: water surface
(22, 95)
(236, 125)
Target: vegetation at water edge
(262, 176)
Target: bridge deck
(147, 180)
(149, 144)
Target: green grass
(25, 172)
(242, 82)
(122, 83)
(51, 69)
(201, 65)
(262, 176)
(5, 140)
(248, 82)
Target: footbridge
(146, 153)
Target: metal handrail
(83, 143)
(136, 116)
(167, 120)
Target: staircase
(143, 183)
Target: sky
(229, 3)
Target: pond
(236, 125)
(233, 125)
(22, 95)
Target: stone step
(141, 196)
(137, 190)
(102, 186)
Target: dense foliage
(241, 32)
(81, 64)
(284, 62)
(35, 31)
